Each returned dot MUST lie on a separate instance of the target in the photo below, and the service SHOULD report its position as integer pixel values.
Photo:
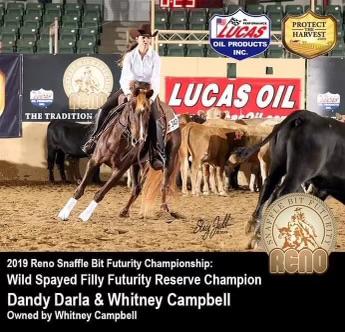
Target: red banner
(241, 97)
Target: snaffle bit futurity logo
(298, 232)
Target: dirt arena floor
(28, 222)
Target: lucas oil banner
(10, 94)
(69, 87)
(242, 97)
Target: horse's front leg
(90, 169)
(114, 178)
(136, 188)
(67, 209)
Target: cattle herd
(302, 151)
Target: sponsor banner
(70, 87)
(309, 35)
(329, 101)
(325, 86)
(242, 97)
(240, 35)
(10, 94)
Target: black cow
(65, 139)
(305, 148)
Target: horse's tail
(153, 183)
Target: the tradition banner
(70, 87)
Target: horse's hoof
(223, 193)
(164, 207)
(166, 215)
(206, 193)
(177, 215)
(124, 214)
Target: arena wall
(24, 158)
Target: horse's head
(139, 117)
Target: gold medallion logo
(87, 82)
(309, 35)
(298, 232)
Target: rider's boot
(157, 155)
(90, 144)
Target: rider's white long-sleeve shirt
(146, 69)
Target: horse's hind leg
(114, 178)
(169, 174)
(67, 209)
(136, 188)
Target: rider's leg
(157, 158)
(102, 113)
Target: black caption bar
(112, 289)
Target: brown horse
(123, 144)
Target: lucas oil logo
(41, 98)
(240, 35)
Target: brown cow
(256, 133)
(207, 145)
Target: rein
(126, 131)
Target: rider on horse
(140, 64)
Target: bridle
(127, 132)
(139, 143)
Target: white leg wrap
(87, 213)
(67, 209)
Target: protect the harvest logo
(309, 35)
(240, 35)
(298, 232)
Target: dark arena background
(59, 61)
